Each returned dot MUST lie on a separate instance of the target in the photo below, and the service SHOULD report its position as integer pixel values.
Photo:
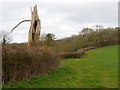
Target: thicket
(21, 62)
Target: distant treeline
(88, 37)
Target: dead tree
(35, 27)
(5, 37)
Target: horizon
(62, 19)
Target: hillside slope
(98, 68)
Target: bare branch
(5, 37)
(19, 24)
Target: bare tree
(86, 30)
(98, 27)
(5, 37)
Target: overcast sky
(60, 17)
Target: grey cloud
(97, 12)
(62, 19)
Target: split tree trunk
(35, 28)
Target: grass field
(98, 68)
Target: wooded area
(87, 37)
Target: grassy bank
(98, 68)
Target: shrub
(22, 63)
(76, 54)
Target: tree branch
(19, 24)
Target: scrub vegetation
(97, 68)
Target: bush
(76, 54)
(22, 63)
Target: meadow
(98, 68)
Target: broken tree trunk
(35, 27)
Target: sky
(60, 17)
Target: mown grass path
(98, 68)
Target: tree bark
(35, 28)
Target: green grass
(98, 68)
